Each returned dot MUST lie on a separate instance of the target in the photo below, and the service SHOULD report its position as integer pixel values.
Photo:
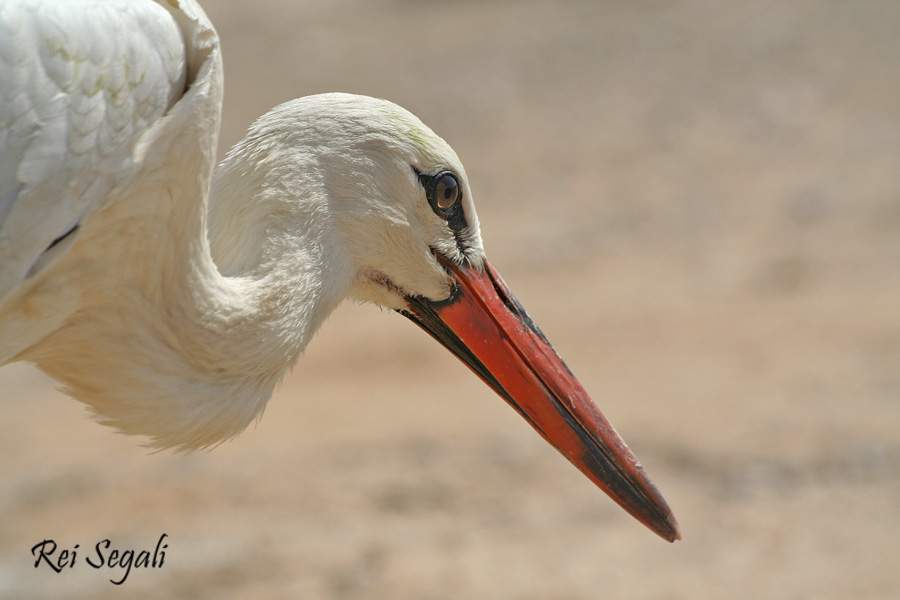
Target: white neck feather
(170, 347)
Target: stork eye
(446, 191)
(443, 193)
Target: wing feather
(80, 81)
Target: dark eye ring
(446, 192)
(442, 191)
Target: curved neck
(163, 343)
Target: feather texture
(163, 324)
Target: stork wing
(80, 80)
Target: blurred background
(698, 202)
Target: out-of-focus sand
(699, 203)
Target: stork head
(399, 197)
(397, 206)
(364, 177)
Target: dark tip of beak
(484, 325)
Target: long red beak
(484, 325)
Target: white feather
(69, 117)
(134, 316)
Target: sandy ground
(699, 202)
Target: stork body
(171, 300)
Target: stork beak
(484, 325)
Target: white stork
(171, 297)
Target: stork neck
(164, 343)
